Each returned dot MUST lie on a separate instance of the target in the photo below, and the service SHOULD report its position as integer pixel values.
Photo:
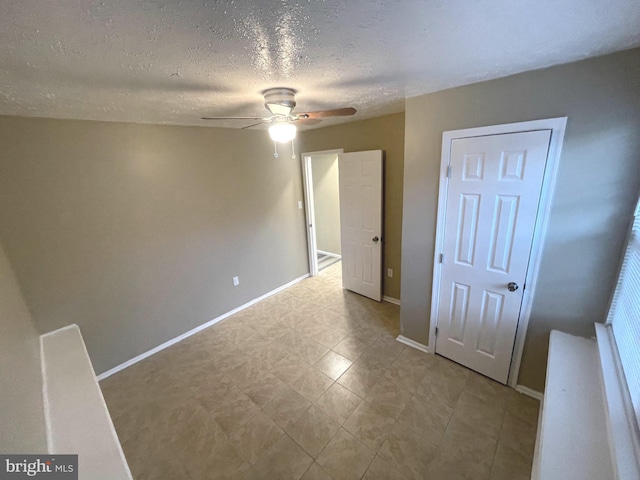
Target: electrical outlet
(299, 204)
(236, 281)
(389, 272)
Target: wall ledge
(76, 415)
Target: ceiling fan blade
(307, 121)
(338, 112)
(254, 125)
(232, 118)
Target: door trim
(557, 127)
(307, 186)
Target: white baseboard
(329, 254)
(193, 331)
(529, 392)
(412, 343)
(395, 301)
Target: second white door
(361, 222)
(491, 206)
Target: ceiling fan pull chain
(275, 148)
(293, 150)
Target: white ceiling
(167, 61)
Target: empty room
(320, 240)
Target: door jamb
(307, 186)
(557, 127)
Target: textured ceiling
(156, 61)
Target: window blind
(624, 314)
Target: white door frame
(557, 127)
(307, 185)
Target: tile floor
(311, 383)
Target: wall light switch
(236, 281)
(299, 204)
(389, 272)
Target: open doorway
(322, 198)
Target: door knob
(375, 239)
(512, 286)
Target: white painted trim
(529, 392)
(103, 405)
(557, 127)
(328, 254)
(620, 415)
(70, 375)
(45, 398)
(395, 301)
(412, 343)
(307, 186)
(312, 243)
(71, 326)
(193, 331)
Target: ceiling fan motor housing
(280, 101)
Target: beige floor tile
(345, 457)
(216, 398)
(518, 434)
(159, 466)
(463, 453)
(313, 430)
(523, 407)
(338, 402)
(488, 390)
(312, 384)
(328, 337)
(235, 414)
(192, 431)
(287, 407)
(223, 462)
(265, 389)
(140, 417)
(301, 347)
(426, 415)
(286, 459)
(360, 379)
(351, 347)
(316, 472)
(289, 369)
(333, 364)
(380, 469)
(437, 391)
(247, 372)
(481, 415)
(148, 454)
(271, 355)
(408, 376)
(244, 392)
(365, 333)
(388, 397)
(256, 437)
(409, 450)
(510, 464)
(369, 425)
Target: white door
(491, 206)
(361, 222)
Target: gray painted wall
(22, 428)
(326, 202)
(134, 232)
(598, 182)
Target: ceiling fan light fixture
(282, 132)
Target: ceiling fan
(280, 103)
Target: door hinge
(442, 258)
(436, 331)
(449, 171)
